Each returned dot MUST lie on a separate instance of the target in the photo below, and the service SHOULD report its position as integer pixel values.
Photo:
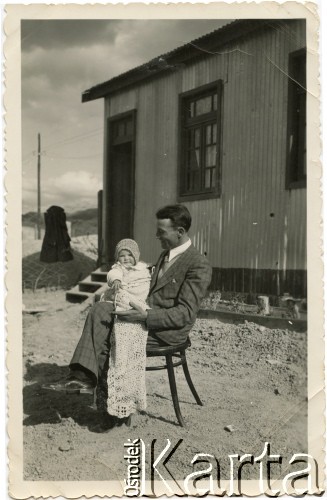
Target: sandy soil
(247, 376)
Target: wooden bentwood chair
(170, 352)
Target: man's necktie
(164, 266)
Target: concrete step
(99, 276)
(77, 296)
(95, 283)
(89, 286)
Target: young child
(129, 283)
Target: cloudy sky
(61, 59)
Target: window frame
(112, 120)
(185, 124)
(293, 97)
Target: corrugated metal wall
(256, 223)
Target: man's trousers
(92, 351)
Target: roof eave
(118, 83)
(174, 59)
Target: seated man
(179, 282)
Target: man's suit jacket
(175, 297)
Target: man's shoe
(71, 386)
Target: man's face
(167, 234)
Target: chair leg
(173, 389)
(189, 380)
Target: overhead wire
(65, 141)
(74, 138)
(73, 157)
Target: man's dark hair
(178, 214)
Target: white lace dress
(126, 374)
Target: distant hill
(88, 214)
(83, 221)
(30, 219)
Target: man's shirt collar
(178, 250)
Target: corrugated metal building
(219, 125)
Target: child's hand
(115, 286)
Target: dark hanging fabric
(56, 241)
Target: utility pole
(38, 186)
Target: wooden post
(39, 187)
(263, 305)
(100, 241)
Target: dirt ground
(249, 377)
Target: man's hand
(132, 315)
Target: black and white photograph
(168, 269)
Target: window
(200, 115)
(296, 136)
(122, 128)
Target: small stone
(229, 428)
(64, 447)
(276, 391)
(273, 361)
